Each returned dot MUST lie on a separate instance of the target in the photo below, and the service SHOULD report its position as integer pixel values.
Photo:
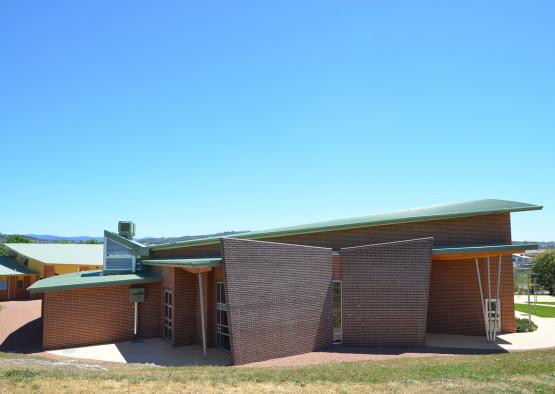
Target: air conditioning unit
(126, 229)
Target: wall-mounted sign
(137, 295)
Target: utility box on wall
(137, 295)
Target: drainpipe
(201, 300)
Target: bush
(523, 325)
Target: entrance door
(222, 328)
(168, 315)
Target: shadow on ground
(26, 339)
(397, 351)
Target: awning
(472, 251)
(89, 279)
(203, 262)
(10, 267)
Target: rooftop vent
(126, 229)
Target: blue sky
(197, 117)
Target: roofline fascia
(484, 248)
(206, 263)
(271, 234)
(148, 279)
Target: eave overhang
(207, 262)
(472, 251)
(90, 279)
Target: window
(337, 324)
(20, 284)
(168, 319)
(493, 312)
(26, 262)
(3, 284)
(222, 325)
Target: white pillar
(201, 300)
(482, 297)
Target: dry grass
(524, 372)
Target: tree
(92, 241)
(543, 266)
(14, 239)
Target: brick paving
(21, 326)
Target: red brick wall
(455, 307)
(48, 270)
(278, 299)
(385, 293)
(97, 315)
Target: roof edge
(323, 228)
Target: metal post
(136, 319)
(481, 296)
(497, 306)
(201, 300)
(528, 288)
(489, 300)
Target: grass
(538, 310)
(531, 371)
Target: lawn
(531, 371)
(538, 310)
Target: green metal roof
(88, 279)
(10, 267)
(437, 212)
(484, 248)
(207, 262)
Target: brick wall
(278, 297)
(97, 315)
(385, 293)
(459, 231)
(455, 297)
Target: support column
(202, 323)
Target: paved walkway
(149, 351)
(21, 326)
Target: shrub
(523, 325)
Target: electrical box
(137, 295)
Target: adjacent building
(14, 279)
(49, 259)
(384, 279)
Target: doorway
(168, 315)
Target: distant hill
(56, 238)
(163, 240)
(44, 238)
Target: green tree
(14, 239)
(543, 266)
(92, 241)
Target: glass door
(168, 315)
(222, 327)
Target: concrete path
(21, 326)
(523, 299)
(149, 351)
(543, 337)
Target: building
(522, 261)
(56, 259)
(14, 279)
(384, 279)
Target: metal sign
(137, 295)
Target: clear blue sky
(197, 117)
